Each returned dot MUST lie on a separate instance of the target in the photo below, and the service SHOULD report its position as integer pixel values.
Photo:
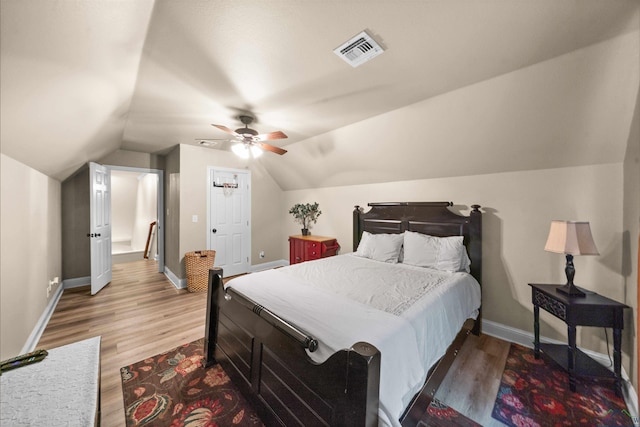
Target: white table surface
(61, 390)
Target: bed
(281, 334)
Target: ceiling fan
(249, 141)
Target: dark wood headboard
(433, 218)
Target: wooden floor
(472, 383)
(140, 314)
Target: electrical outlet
(261, 254)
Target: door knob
(214, 230)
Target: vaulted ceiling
(80, 79)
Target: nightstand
(591, 310)
(307, 248)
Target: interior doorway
(136, 215)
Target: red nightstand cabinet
(307, 248)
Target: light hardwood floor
(140, 314)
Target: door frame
(247, 172)
(160, 208)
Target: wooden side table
(591, 310)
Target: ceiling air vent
(358, 50)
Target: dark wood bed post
(475, 253)
(213, 309)
(356, 229)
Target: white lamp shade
(241, 150)
(245, 150)
(256, 151)
(571, 237)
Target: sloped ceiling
(80, 79)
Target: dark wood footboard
(266, 359)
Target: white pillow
(420, 249)
(450, 255)
(441, 253)
(380, 247)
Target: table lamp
(570, 238)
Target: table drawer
(549, 304)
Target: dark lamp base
(571, 290)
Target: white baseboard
(182, 283)
(40, 326)
(269, 265)
(524, 338)
(77, 282)
(175, 280)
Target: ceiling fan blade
(271, 148)
(271, 136)
(227, 130)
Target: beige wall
(631, 230)
(266, 203)
(172, 211)
(76, 217)
(30, 224)
(133, 159)
(145, 212)
(518, 208)
(572, 110)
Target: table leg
(617, 360)
(572, 353)
(536, 331)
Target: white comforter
(411, 314)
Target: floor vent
(359, 49)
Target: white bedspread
(411, 314)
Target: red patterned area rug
(536, 393)
(174, 389)
(440, 415)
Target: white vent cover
(359, 49)
(209, 142)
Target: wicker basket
(197, 264)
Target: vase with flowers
(305, 214)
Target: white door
(228, 219)
(100, 226)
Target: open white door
(100, 227)
(228, 219)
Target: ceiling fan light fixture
(241, 150)
(256, 151)
(249, 143)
